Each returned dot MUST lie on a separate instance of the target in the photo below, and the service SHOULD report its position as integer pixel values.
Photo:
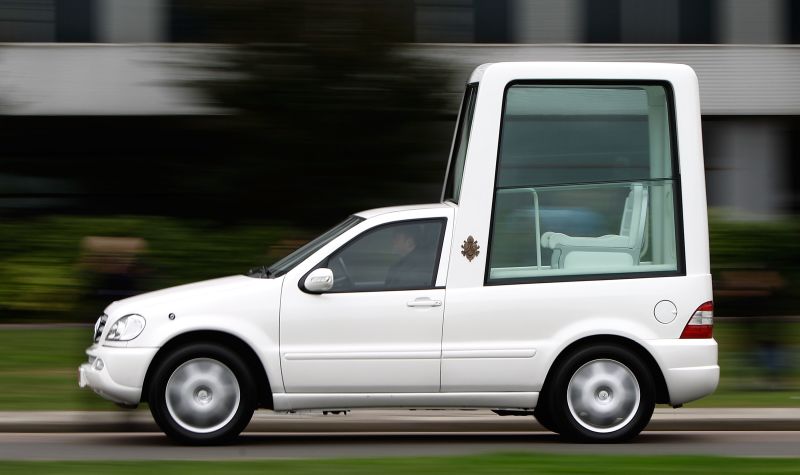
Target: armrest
(553, 240)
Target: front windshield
(287, 263)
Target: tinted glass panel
(585, 184)
(452, 189)
(391, 257)
(566, 134)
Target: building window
(602, 21)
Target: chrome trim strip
(365, 355)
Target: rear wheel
(202, 394)
(602, 394)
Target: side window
(395, 256)
(586, 184)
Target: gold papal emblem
(470, 248)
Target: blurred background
(148, 143)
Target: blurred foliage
(329, 114)
(755, 372)
(43, 266)
(754, 244)
(755, 265)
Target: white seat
(609, 250)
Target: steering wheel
(345, 275)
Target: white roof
(557, 70)
(371, 213)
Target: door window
(396, 256)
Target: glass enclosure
(586, 184)
(455, 172)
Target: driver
(414, 268)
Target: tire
(601, 393)
(202, 394)
(544, 417)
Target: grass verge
(482, 464)
(39, 370)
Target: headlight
(99, 326)
(126, 328)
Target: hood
(210, 296)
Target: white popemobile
(565, 275)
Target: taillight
(701, 324)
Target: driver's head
(406, 238)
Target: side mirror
(319, 280)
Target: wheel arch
(662, 391)
(232, 342)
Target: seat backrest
(634, 215)
(515, 228)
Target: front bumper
(689, 366)
(120, 377)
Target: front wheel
(544, 417)
(602, 394)
(202, 394)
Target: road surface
(132, 435)
(155, 446)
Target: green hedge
(755, 265)
(44, 274)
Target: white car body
(470, 344)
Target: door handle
(424, 302)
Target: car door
(379, 328)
